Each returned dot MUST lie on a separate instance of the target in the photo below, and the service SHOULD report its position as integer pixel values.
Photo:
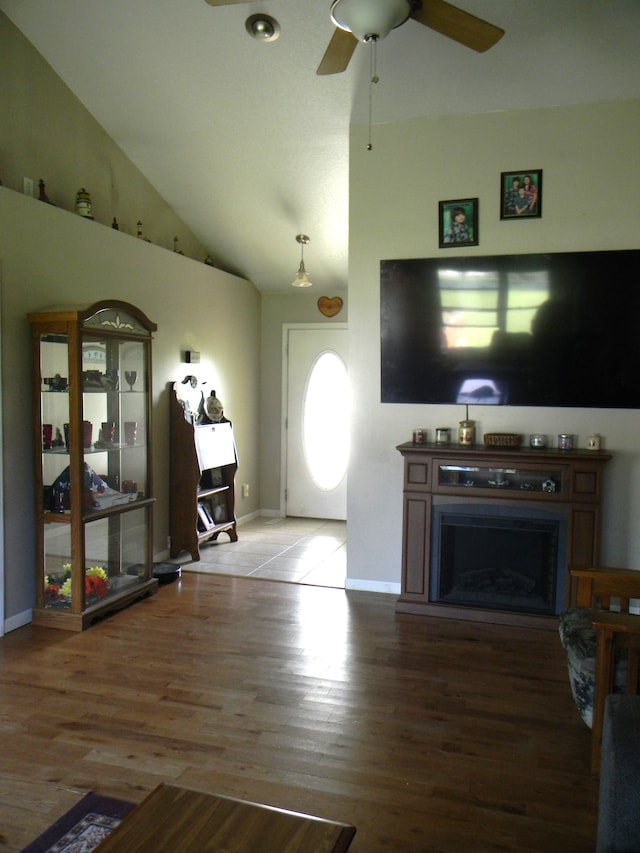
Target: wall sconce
(302, 279)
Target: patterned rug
(83, 827)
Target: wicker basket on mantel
(502, 439)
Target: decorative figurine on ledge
(214, 409)
(198, 409)
(42, 196)
(83, 204)
(190, 396)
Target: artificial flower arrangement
(58, 587)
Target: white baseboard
(372, 586)
(245, 519)
(271, 513)
(18, 620)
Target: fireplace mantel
(567, 481)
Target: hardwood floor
(427, 734)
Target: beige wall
(588, 155)
(279, 310)
(50, 257)
(45, 132)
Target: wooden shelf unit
(202, 490)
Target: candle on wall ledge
(442, 435)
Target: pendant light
(366, 18)
(302, 279)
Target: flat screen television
(558, 329)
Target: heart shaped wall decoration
(330, 305)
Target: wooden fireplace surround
(568, 481)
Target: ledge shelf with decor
(93, 484)
(203, 469)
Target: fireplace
(499, 557)
(492, 533)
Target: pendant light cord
(373, 78)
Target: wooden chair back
(594, 588)
(600, 590)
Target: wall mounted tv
(525, 330)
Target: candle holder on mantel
(467, 431)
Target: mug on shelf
(47, 436)
(108, 434)
(130, 432)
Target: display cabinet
(203, 469)
(92, 449)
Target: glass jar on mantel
(93, 484)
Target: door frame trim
(284, 374)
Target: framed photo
(458, 223)
(521, 194)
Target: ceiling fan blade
(458, 25)
(338, 53)
(224, 2)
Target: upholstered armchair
(602, 644)
(619, 799)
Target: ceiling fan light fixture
(262, 27)
(370, 19)
(302, 278)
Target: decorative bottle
(467, 433)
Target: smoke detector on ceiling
(262, 27)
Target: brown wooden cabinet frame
(113, 324)
(578, 482)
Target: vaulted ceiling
(250, 147)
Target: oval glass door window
(325, 421)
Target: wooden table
(176, 819)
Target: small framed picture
(521, 194)
(458, 223)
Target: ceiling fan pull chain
(373, 78)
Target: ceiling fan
(371, 20)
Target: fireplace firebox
(499, 557)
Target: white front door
(317, 443)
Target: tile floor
(296, 550)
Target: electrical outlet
(27, 186)
(245, 490)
